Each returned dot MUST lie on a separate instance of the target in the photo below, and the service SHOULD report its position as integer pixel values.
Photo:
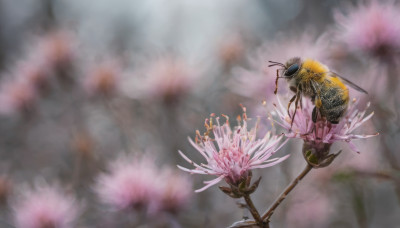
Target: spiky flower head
(372, 27)
(128, 184)
(137, 183)
(103, 78)
(232, 153)
(45, 206)
(319, 136)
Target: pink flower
(258, 82)
(322, 132)
(45, 206)
(33, 71)
(239, 151)
(231, 48)
(175, 190)
(136, 183)
(56, 49)
(167, 79)
(371, 27)
(129, 184)
(17, 97)
(103, 78)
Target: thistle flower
(372, 28)
(102, 79)
(319, 136)
(33, 72)
(129, 184)
(231, 49)
(17, 97)
(45, 206)
(136, 183)
(166, 79)
(175, 190)
(56, 48)
(238, 151)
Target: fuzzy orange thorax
(312, 68)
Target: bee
(312, 79)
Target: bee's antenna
(275, 64)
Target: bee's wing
(348, 82)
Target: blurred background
(86, 83)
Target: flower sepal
(244, 187)
(317, 155)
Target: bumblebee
(312, 79)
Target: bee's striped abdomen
(334, 99)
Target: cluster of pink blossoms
(136, 183)
(238, 151)
(31, 77)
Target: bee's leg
(314, 117)
(290, 103)
(314, 114)
(276, 81)
(301, 102)
(298, 96)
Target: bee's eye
(292, 69)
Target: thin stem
(267, 215)
(252, 209)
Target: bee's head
(292, 67)
(289, 69)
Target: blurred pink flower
(175, 190)
(103, 78)
(56, 49)
(371, 27)
(322, 132)
(239, 151)
(33, 72)
(167, 79)
(17, 97)
(231, 48)
(45, 206)
(136, 183)
(129, 184)
(258, 82)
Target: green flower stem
(252, 209)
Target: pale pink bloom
(103, 78)
(34, 72)
(322, 132)
(129, 184)
(238, 151)
(16, 97)
(309, 207)
(45, 206)
(56, 48)
(166, 79)
(175, 190)
(258, 81)
(371, 27)
(136, 183)
(231, 48)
